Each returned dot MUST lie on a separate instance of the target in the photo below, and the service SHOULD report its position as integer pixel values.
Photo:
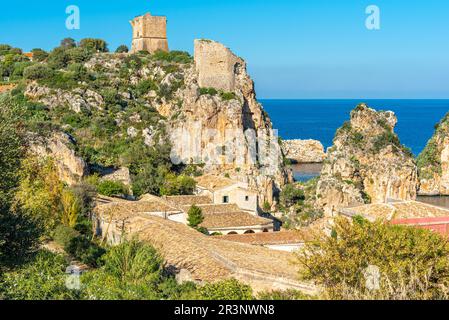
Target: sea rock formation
(366, 164)
(304, 151)
(433, 162)
(59, 147)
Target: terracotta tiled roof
(213, 183)
(215, 208)
(179, 201)
(398, 210)
(211, 259)
(122, 210)
(266, 238)
(233, 219)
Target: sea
(319, 120)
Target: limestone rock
(120, 175)
(223, 132)
(433, 162)
(71, 169)
(76, 99)
(366, 164)
(304, 151)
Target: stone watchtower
(149, 33)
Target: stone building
(149, 33)
(216, 65)
(225, 191)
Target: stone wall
(149, 33)
(216, 65)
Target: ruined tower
(149, 33)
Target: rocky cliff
(221, 124)
(433, 162)
(60, 147)
(204, 110)
(304, 151)
(366, 164)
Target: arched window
(249, 231)
(265, 230)
(232, 232)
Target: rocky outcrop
(119, 175)
(229, 132)
(59, 147)
(366, 164)
(433, 162)
(77, 99)
(304, 151)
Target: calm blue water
(319, 119)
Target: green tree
(71, 208)
(112, 188)
(19, 232)
(195, 216)
(412, 263)
(94, 45)
(37, 72)
(68, 43)
(226, 290)
(132, 270)
(122, 49)
(43, 278)
(40, 191)
(39, 55)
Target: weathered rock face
(76, 99)
(71, 169)
(120, 175)
(433, 162)
(366, 164)
(228, 132)
(304, 151)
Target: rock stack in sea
(433, 162)
(366, 164)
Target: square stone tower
(149, 33)
(216, 65)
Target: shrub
(58, 59)
(195, 216)
(412, 263)
(39, 55)
(145, 86)
(226, 290)
(227, 96)
(208, 91)
(122, 49)
(173, 56)
(68, 43)
(78, 54)
(178, 185)
(38, 72)
(291, 195)
(86, 251)
(112, 188)
(63, 235)
(94, 45)
(43, 278)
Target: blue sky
(294, 48)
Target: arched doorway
(249, 232)
(232, 232)
(266, 230)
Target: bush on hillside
(364, 260)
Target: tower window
(225, 199)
